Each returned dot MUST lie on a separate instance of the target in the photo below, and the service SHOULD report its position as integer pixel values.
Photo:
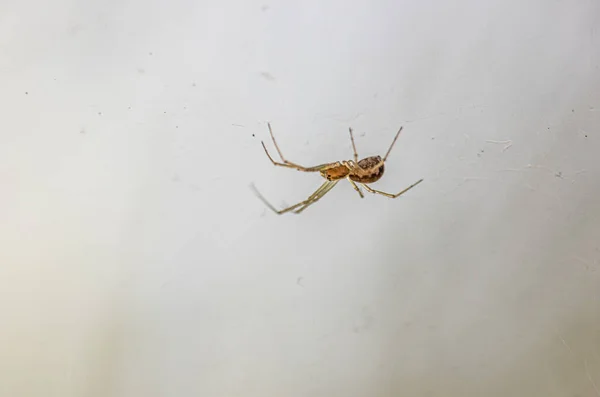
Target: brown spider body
(367, 170)
(335, 174)
(363, 172)
(370, 171)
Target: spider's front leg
(313, 198)
(322, 191)
(289, 164)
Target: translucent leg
(289, 164)
(320, 192)
(389, 194)
(316, 197)
(355, 187)
(353, 145)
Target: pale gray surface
(136, 261)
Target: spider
(363, 172)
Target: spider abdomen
(369, 172)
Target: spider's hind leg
(392, 145)
(353, 145)
(390, 195)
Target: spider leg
(355, 187)
(289, 164)
(369, 189)
(392, 145)
(353, 145)
(275, 143)
(317, 194)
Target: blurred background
(136, 261)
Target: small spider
(363, 172)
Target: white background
(136, 261)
